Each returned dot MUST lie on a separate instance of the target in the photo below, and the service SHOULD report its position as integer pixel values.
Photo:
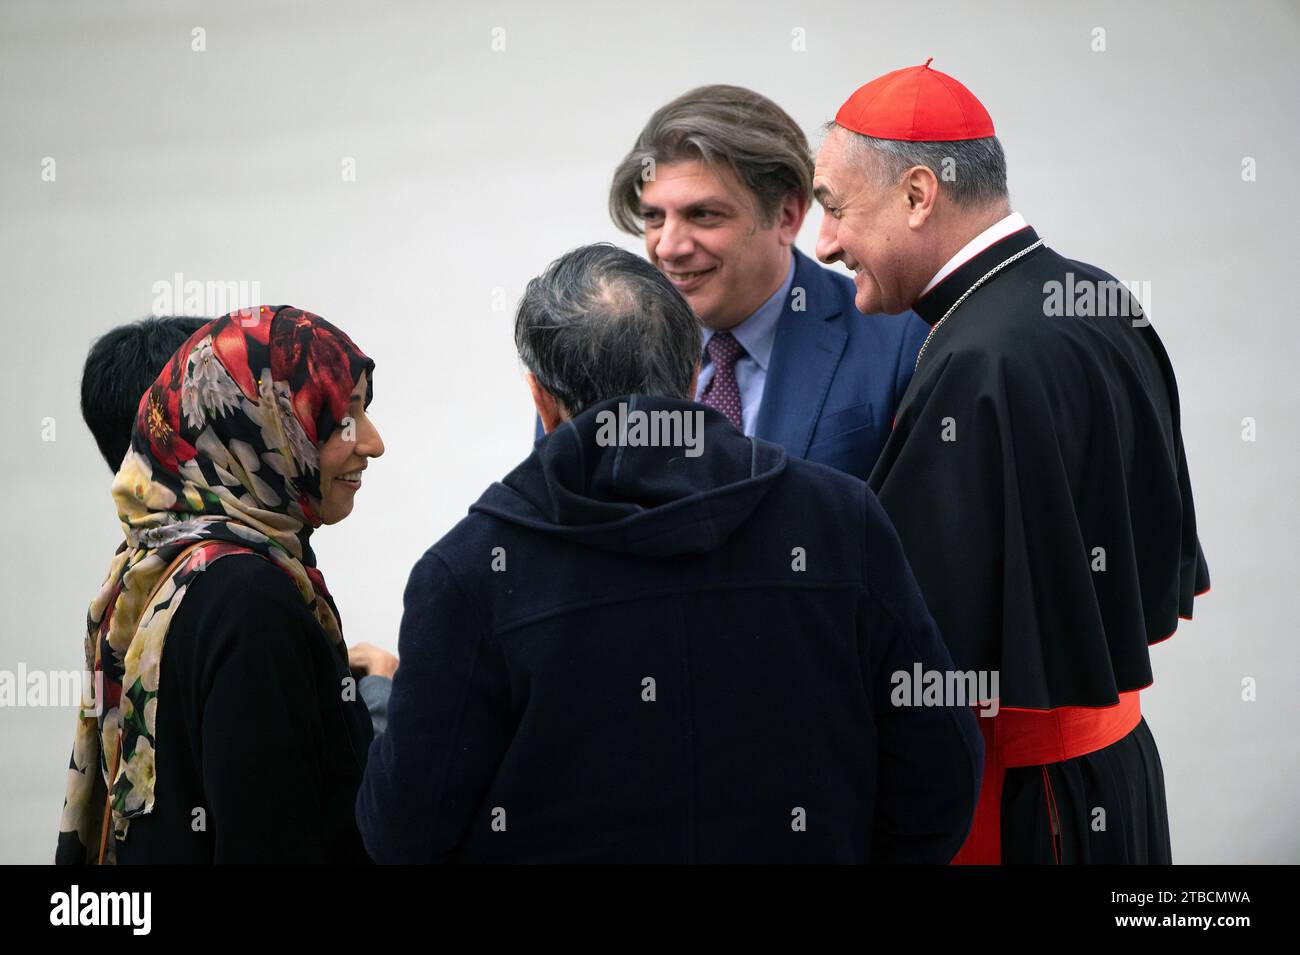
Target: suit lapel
(805, 354)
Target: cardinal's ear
(921, 190)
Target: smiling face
(871, 228)
(702, 231)
(345, 455)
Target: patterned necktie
(722, 393)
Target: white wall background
(475, 168)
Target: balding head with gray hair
(601, 322)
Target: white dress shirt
(994, 233)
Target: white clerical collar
(994, 233)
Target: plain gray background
(475, 168)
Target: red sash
(1036, 738)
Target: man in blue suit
(718, 183)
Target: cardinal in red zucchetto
(1035, 472)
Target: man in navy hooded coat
(658, 640)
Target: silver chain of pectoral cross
(984, 278)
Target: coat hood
(639, 475)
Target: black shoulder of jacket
(238, 597)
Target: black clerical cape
(1037, 478)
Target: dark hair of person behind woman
(120, 367)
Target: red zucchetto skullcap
(917, 104)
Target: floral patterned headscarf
(223, 460)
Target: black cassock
(1037, 478)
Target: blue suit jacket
(836, 376)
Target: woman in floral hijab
(225, 458)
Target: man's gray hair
(726, 127)
(972, 171)
(601, 322)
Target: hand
(366, 659)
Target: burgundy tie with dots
(722, 393)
